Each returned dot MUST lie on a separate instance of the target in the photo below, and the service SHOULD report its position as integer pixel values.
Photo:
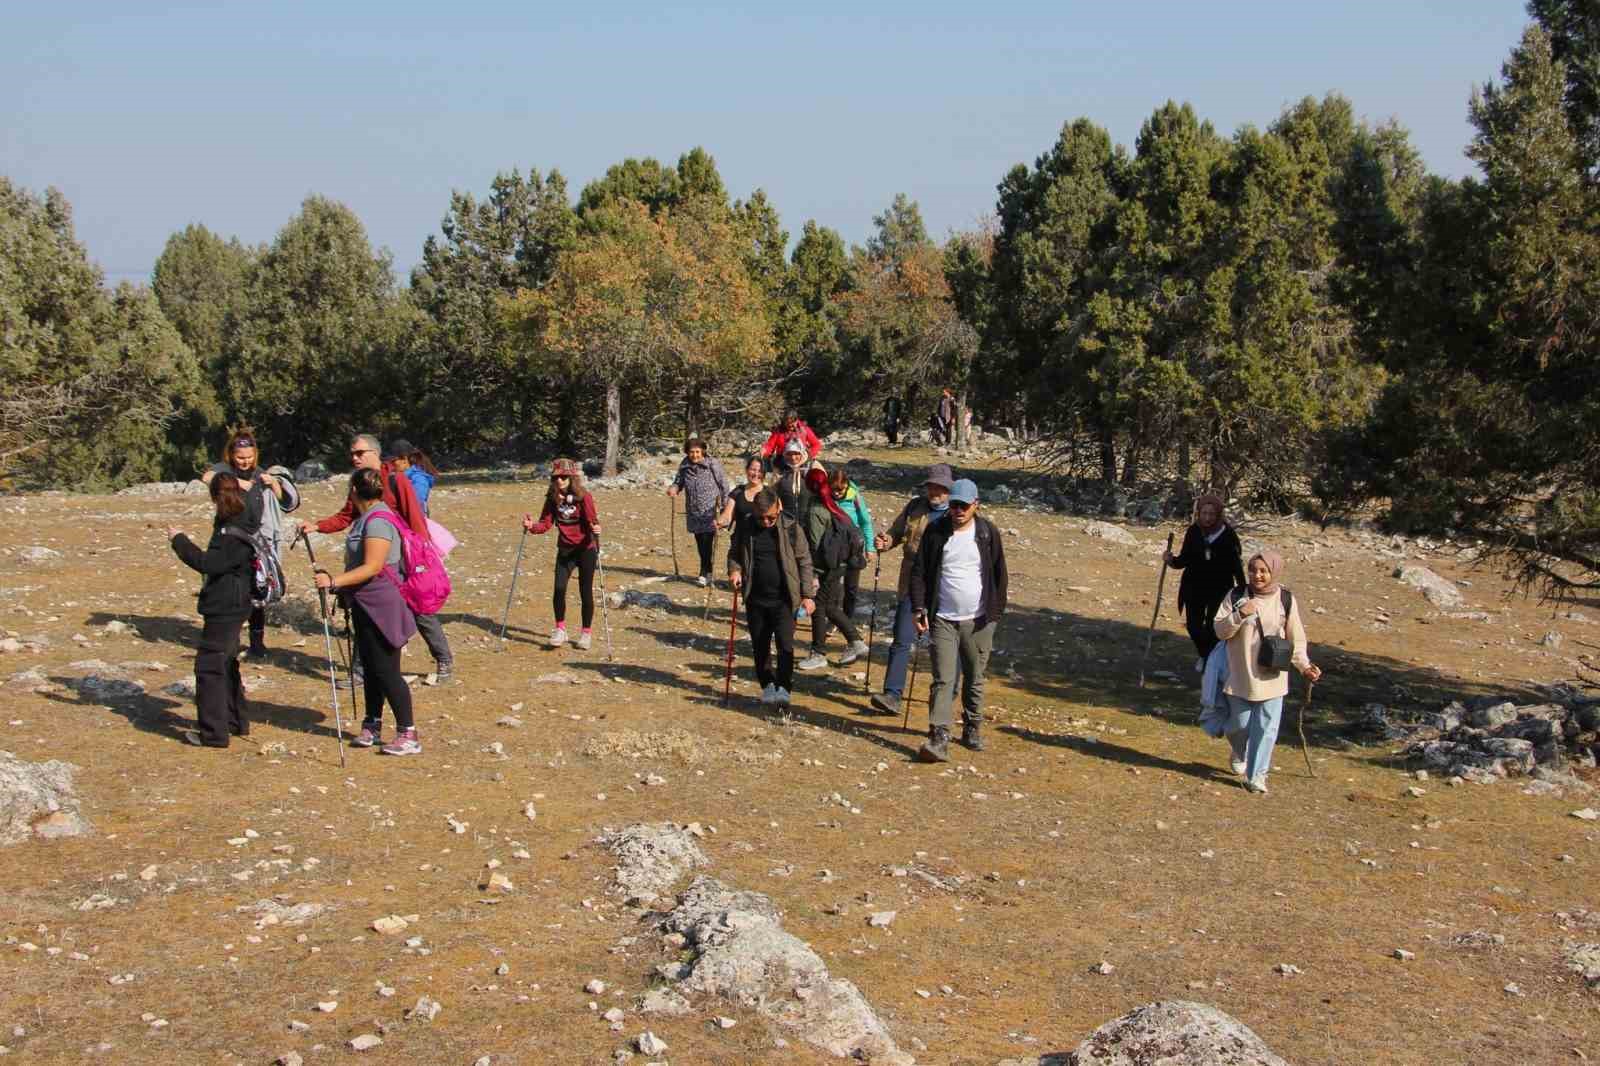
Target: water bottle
(800, 614)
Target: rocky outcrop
(37, 800)
(1174, 1033)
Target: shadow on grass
(185, 633)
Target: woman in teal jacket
(847, 494)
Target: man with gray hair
(366, 453)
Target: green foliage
(199, 280)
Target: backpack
(842, 545)
(423, 582)
(266, 581)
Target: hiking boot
(405, 742)
(937, 747)
(445, 672)
(558, 637)
(971, 737)
(371, 733)
(884, 703)
(812, 662)
(583, 641)
(769, 694)
(193, 738)
(855, 651)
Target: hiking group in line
(797, 549)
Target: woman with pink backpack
(382, 619)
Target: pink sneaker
(371, 733)
(405, 742)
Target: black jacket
(794, 555)
(1206, 581)
(228, 564)
(992, 566)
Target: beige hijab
(1274, 563)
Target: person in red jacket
(791, 428)
(365, 454)
(569, 507)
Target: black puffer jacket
(228, 564)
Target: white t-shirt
(961, 577)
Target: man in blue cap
(958, 593)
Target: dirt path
(1099, 826)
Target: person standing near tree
(829, 530)
(891, 420)
(705, 488)
(769, 561)
(569, 506)
(958, 591)
(944, 418)
(401, 498)
(851, 501)
(1212, 561)
(777, 449)
(906, 532)
(240, 458)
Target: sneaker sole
(398, 754)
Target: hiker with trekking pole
(327, 644)
(269, 495)
(225, 601)
(769, 560)
(905, 532)
(1262, 637)
(569, 507)
(704, 487)
(381, 618)
(1212, 561)
(853, 503)
(400, 498)
(837, 547)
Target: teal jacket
(854, 504)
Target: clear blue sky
(151, 116)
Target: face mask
(942, 508)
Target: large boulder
(311, 470)
(37, 799)
(1441, 593)
(1174, 1033)
(1109, 532)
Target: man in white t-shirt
(958, 592)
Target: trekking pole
(872, 626)
(516, 569)
(605, 616)
(327, 640)
(1161, 583)
(672, 530)
(911, 688)
(733, 627)
(1300, 721)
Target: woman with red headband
(569, 507)
(836, 545)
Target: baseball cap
(964, 491)
(398, 447)
(940, 474)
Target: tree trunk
(961, 421)
(1108, 457)
(1185, 467)
(613, 427)
(1130, 465)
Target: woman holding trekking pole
(704, 489)
(570, 508)
(381, 619)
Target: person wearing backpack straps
(269, 495)
(401, 498)
(848, 495)
(836, 545)
(1251, 620)
(383, 623)
(228, 563)
(570, 508)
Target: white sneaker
(780, 697)
(856, 651)
(702, 581)
(769, 694)
(1257, 785)
(811, 662)
(1236, 765)
(582, 643)
(558, 637)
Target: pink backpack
(423, 582)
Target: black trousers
(382, 680)
(830, 611)
(258, 627)
(704, 542)
(584, 560)
(1199, 619)
(852, 591)
(218, 689)
(768, 621)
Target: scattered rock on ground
(1107, 531)
(37, 799)
(1174, 1032)
(1438, 591)
(38, 554)
(653, 858)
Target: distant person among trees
(382, 621)
(906, 532)
(851, 501)
(240, 457)
(1212, 561)
(943, 421)
(228, 564)
(705, 489)
(740, 507)
(958, 590)
(828, 530)
(569, 507)
(401, 498)
(769, 560)
(418, 468)
(1255, 692)
(891, 420)
(777, 449)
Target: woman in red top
(569, 507)
(775, 450)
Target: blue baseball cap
(964, 491)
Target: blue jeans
(1252, 729)
(905, 634)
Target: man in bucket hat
(958, 593)
(906, 532)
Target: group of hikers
(800, 538)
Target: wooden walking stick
(1300, 721)
(872, 626)
(672, 529)
(1161, 584)
(733, 626)
(516, 569)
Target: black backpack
(842, 545)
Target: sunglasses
(354, 452)
(770, 519)
(958, 505)
(244, 442)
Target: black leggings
(1200, 619)
(705, 542)
(258, 627)
(219, 691)
(585, 559)
(830, 608)
(381, 680)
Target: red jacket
(397, 493)
(574, 523)
(780, 437)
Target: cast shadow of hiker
(145, 711)
(1101, 749)
(185, 634)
